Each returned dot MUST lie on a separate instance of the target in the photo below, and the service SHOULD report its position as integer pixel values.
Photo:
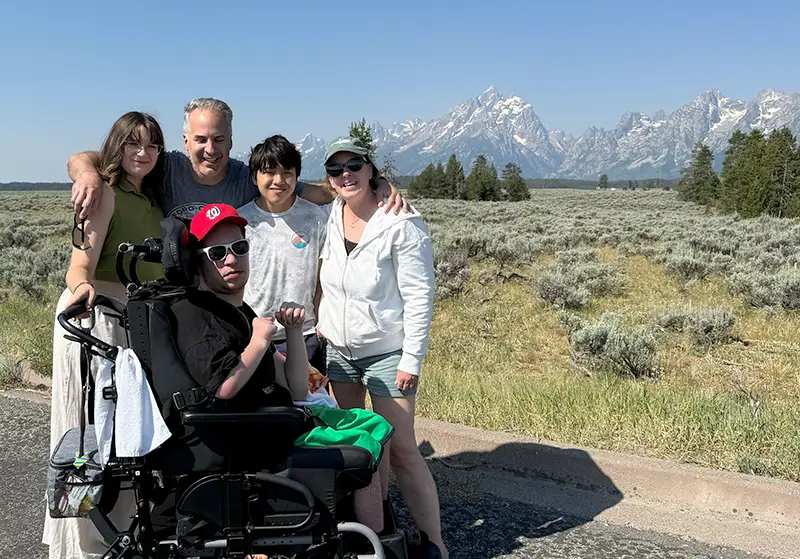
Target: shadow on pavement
(482, 519)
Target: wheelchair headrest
(176, 255)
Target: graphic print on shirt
(300, 239)
(187, 211)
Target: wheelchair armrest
(334, 457)
(275, 417)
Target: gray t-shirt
(183, 196)
(284, 258)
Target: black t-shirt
(211, 335)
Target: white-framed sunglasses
(216, 253)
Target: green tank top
(134, 219)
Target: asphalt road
(476, 526)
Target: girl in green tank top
(132, 162)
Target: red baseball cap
(211, 216)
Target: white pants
(77, 538)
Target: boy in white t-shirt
(286, 235)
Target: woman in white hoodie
(377, 283)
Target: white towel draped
(135, 420)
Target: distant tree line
(560, 183)
(760, 175)
(643, 184)
(24, 186)
(482, 182)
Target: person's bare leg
(348, 394)
(412, 473)
(368, 502)
(384, 469)
(368, 505)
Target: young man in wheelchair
(228, 350)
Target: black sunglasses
(79, 227)
(336, 169)
(219, 252)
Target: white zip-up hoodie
(378, 299)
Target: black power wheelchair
(205, 492)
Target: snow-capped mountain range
(506, 129)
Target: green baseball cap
(345, 143)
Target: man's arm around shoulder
(318, 195)
(87, 185)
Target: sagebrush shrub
(722, 242)
(687, 264)
(610, 239)
(571, 322)
(762, 289)
(575, 256)
(688, 241)
(598, 279)
(575, 276)
(18, 235)
(705, 326)
(627, 248)
(512, 250)
(608, 345)
(721, 263)
(451, 269)
(561, 291)
(30, 271)
(672, 319)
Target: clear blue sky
(68, 69)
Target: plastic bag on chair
(74, 478)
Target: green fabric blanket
(354, 427)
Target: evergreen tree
(603, 182)
(454, 179)
(482, 182)
(426, 183)
(389, 171)
(492, 190)
(784, 172)
(413, 188)
(436, 187)
(731, 173)
(761, 175)
(752, 176)
(362, 134)
(513, 184)
(699, 183)
(477, 180)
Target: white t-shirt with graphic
(284, 258)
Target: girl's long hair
(126, 128)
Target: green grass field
(700, 365)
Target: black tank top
(349, 246)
